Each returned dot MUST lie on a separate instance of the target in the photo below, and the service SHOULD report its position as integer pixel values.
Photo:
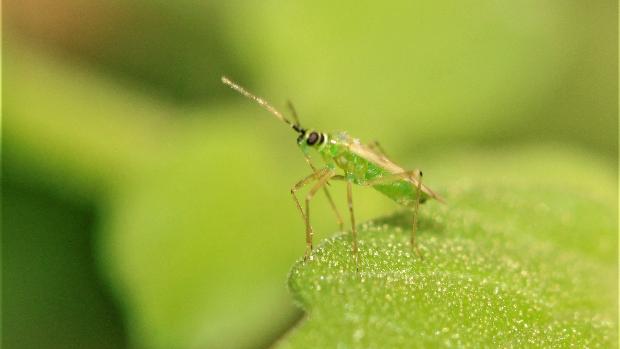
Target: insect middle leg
(416, 208)
(351, 213)
(353, 228)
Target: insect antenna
(263, 103)
(291, 108)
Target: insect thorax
(337, 155)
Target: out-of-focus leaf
(51, 295)
(175, 50)
(200, 244)
(427, 72)
(82, 131)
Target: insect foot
(308, 253)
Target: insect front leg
(329, 197)
(302, 183)
(309, 233)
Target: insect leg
(291, 108)
(334, 208)
(320, 183)
(416, 208)
(415, 177)
(351, 212)
(314, 176)
(329, 197)
(353, 228)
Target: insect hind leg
(415, 176)
(416, 209)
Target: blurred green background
(145, 205)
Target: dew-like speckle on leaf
(500, 268)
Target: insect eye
(313, 138)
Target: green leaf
(505, 265)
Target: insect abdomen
(402, 192)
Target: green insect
(360, 164)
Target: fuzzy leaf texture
(505, 265)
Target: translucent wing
(375, 157)
(384, 162)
